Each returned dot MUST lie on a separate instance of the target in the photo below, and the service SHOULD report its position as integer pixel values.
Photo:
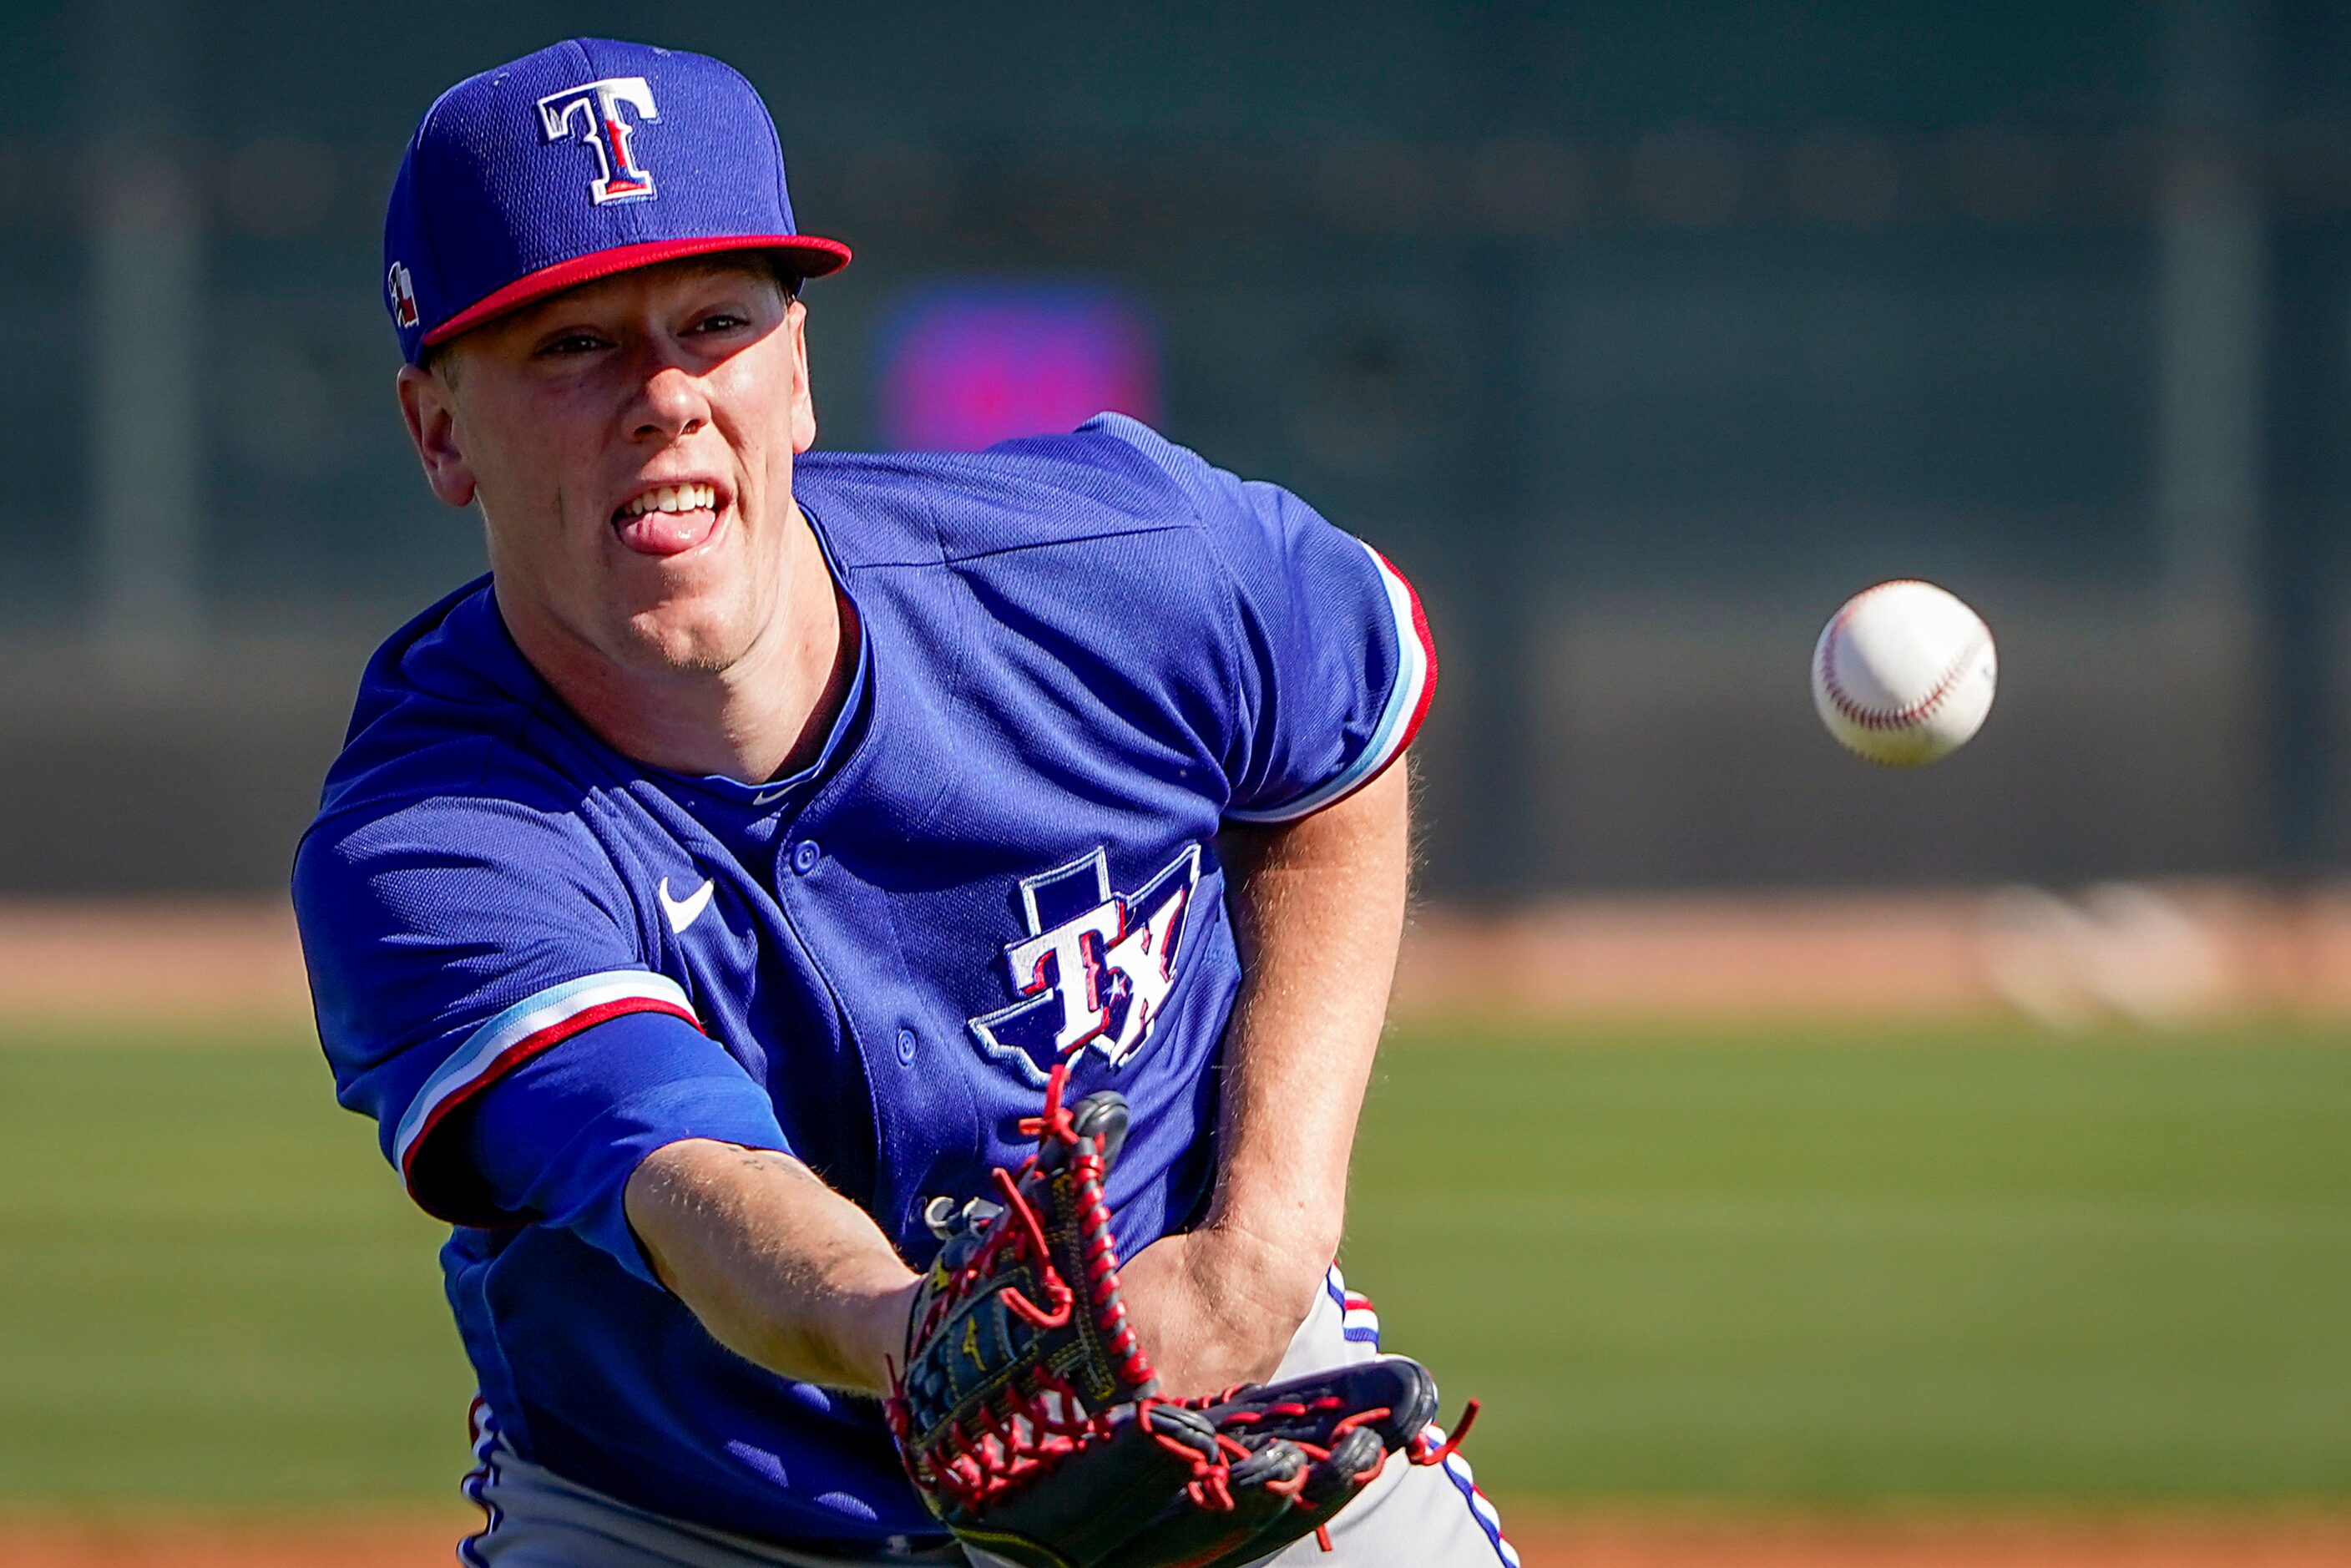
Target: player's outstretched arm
(1318, 906)
(779, 1268)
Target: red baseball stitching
(1880, 718)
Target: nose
(670, 403)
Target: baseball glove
(1028, 1415)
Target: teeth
(673, 498)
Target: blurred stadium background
(1766, 1137)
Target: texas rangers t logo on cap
(486, 217)
(596, 105)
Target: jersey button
(804, 856)
(907, 1047)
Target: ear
(803, 400)
(430, 409)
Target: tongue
(666, 533)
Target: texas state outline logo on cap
(402, 287)
(583, 160)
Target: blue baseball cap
(586, 158)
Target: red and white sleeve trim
(521, 1032)
(1408, 705)
(1359, 1321)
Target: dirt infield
(1553, 1544)
(2199, 1544)
(2151, 953)
(197, 965)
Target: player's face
(630, 442)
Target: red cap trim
(813, 258)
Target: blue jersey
(535, 960)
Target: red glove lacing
(1041, 1425)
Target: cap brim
(809, 257)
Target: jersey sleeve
(1334, 663)
(454, 946)
(557, 1140)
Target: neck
(768, 712)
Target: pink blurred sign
(964, 366)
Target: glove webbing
(1422, 1450)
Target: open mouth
(669, 519)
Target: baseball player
(703, 899)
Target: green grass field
(1964, 1270)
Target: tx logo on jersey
(1095, 968)
(595, 108)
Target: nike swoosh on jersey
(772, 795)
(685, 912)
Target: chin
(692, 636)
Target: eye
(721, 321)
(569, 345)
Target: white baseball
(1903, 674)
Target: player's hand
(1217, 1306)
